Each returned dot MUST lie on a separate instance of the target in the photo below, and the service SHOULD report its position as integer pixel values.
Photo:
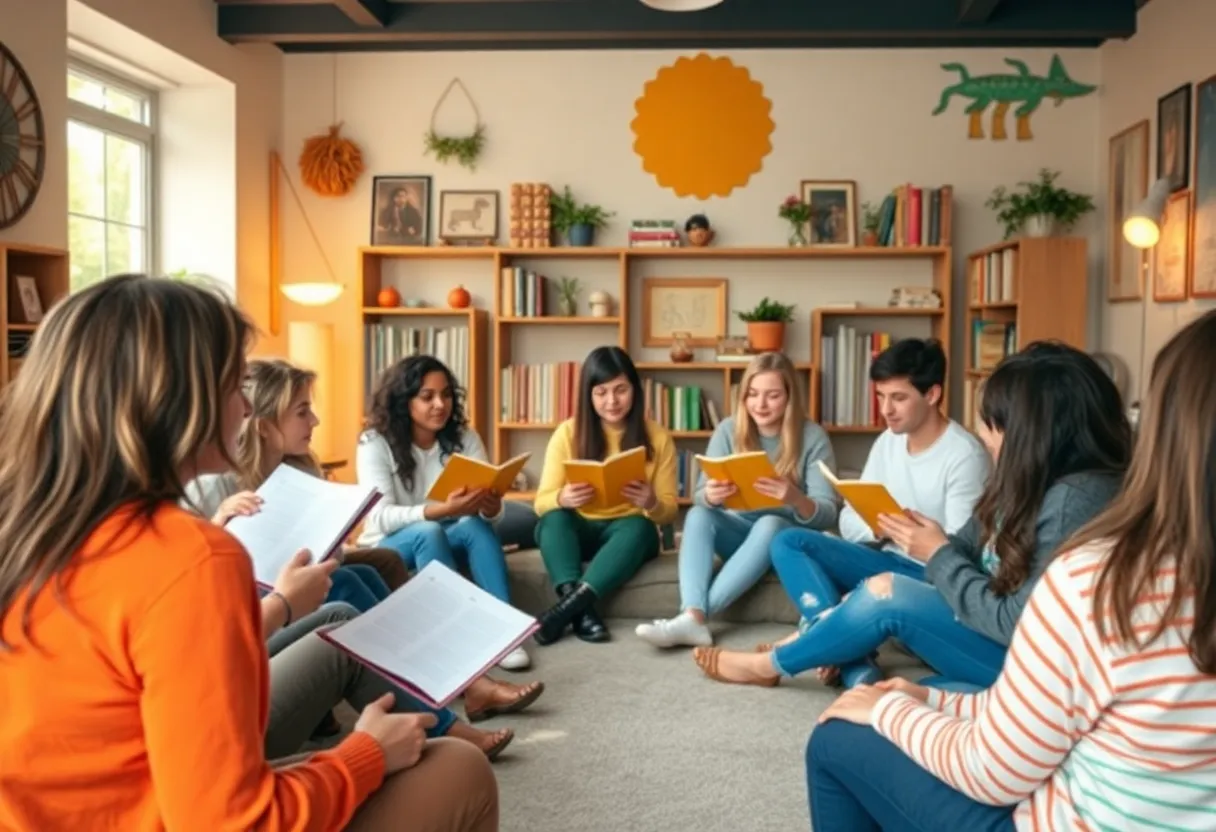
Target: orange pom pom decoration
(330, 164)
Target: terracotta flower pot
(869, 238)
(766, 336)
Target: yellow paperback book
(465, 472)
(608, 477)
(743, 470)
(868, 499)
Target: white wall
(1173, 45)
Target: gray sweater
(962, 570)
(815, 447)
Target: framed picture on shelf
(31, 302)
(468, 215)
(1171, 256)
(1127, 184)
(1203, 194)
(833, 211)
(401, 210)
(1174, 138)
(696, 306)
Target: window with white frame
(111, 127)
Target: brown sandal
(530, 693)
(763, 647)
(707, 659)
(504, 739)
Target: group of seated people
(1055, 572)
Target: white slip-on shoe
(681, 631)
(517, 659)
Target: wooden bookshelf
(1020, 291)
(49, 269)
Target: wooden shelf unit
(49, 268)
(1039, 286)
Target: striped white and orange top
(1079, 733)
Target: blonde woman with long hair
(769, 416)
(133, 671)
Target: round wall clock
(22, 140)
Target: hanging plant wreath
(331, 164)
(464, 149)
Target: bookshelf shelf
(554, 320)
(878, 312)
(49, 269)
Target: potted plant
(576, 221)
(871, 219)
(766, 325)
(567, 296)
(797, 213)
(1039, 208)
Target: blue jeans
(742, 541)
(469, 542)
(858, 781)
(359, 585)
(816, 569)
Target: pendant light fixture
(681, 5)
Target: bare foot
(491, 744)
(829, 676)
(736, 667)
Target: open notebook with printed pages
(462, 471)
(868, 499)
(610, 476)
(299, 511)
(742, 470)
(434, 635)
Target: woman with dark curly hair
(417, 422)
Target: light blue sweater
(815, 447)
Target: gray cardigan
(956, 570)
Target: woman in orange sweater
(117, 713)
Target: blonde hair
(124, 387)
(747, 437)
(271, 385)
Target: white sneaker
(683, 630)
(517, 659)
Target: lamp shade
(681, 5)
(1142, 228)
(312, 294)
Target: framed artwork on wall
(1127, 183)
(1171, 256)
(401, 210)
(694, 307)
(1203, 195)
(468, 215)
(1174, 138)
(833, 211)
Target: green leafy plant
(769, 311)
(568, 289)
(871, 217)
(794, 210)
(1038, 198)
(464, 149)
(567, 212)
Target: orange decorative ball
(459, 298)
(388, 297)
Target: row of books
(991, 277)
(538, 394)
(384, 344)
(991, 341)
(524, 293)
(915, 216)
(846, 395)
(679, 407)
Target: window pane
(122, 103)
(86, 170)
(86, 90)
(124, 249)
(124, 181)
(87, 244)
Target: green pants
(614, 550)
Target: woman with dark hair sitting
(614, 542)
(1054, 425)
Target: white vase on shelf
(1039, 225)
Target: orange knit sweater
(139, 702)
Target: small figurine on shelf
(601, 304)
(567, 296)
(698, 231)
(681, 351)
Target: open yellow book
(868, 499)
(743, 470)
(465, 472)
(608, 477)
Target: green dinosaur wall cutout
(1007, 89)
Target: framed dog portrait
(468, 216)
(401, 211)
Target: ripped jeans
(816, 570)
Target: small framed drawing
(694, 307)
(1174, 138)
(833, 211)
(468, 215)
(1172, 255)
(1127, 183)
(401, 211)
(31, 303)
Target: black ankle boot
(573, 599)
(590, 627)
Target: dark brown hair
(390, 411)
(603, 364)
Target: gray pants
(331, 613)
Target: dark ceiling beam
(607, 24)
(976, 11)
(367, 13)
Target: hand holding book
(916, 534)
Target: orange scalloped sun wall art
(702, 127)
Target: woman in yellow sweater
(612, 543)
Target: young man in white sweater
(929, 463)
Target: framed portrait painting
(1171, 255)
(1174, 138)
(1127, 184)
(468, 216)
(1203, 207)
(833, 204)
(401, 211)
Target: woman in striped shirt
(1102, 718)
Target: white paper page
(299, 511)
(437, 632)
